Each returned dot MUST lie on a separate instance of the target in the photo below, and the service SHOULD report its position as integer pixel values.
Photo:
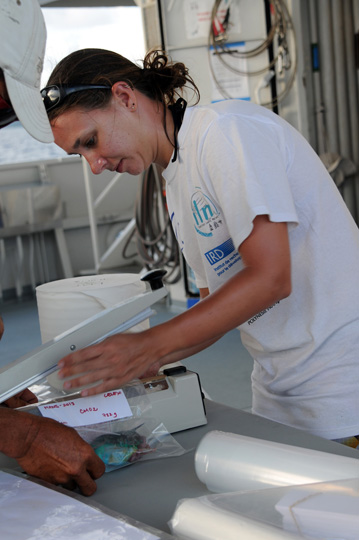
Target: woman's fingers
(111, 363)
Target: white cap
(22, 49)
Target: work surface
(148, 491)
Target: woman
(259, 220)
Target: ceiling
(86, 3)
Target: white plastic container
(64, 303)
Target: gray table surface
(148, 491)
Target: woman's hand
(111, 363)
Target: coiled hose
(156, 242)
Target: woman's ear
(124, 94)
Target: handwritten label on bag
(85, 411)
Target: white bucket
(65, 303)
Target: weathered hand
(26, 397)
(57, 454)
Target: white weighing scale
(176, 395)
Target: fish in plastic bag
(120, 449)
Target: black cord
(156, 242)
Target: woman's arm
(265, 279)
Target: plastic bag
(33, 509)
(123, 440)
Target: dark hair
(160, 79)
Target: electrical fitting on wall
(277, 52)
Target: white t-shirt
(238, 160)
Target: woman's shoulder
(233, 110)
(234, 118)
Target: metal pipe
(340, 62)
(317, 87)
(353, 93)
(327, 72)
(355, 4)
(353, 83)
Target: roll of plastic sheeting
(320, 515)
(65, 303)
(227, 462)
(324, 510)
(198, 519)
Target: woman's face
(116, 138)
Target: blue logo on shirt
(205, 213)
(220, 252)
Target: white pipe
(92, 216)
(107, 189)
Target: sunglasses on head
(53, 95)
